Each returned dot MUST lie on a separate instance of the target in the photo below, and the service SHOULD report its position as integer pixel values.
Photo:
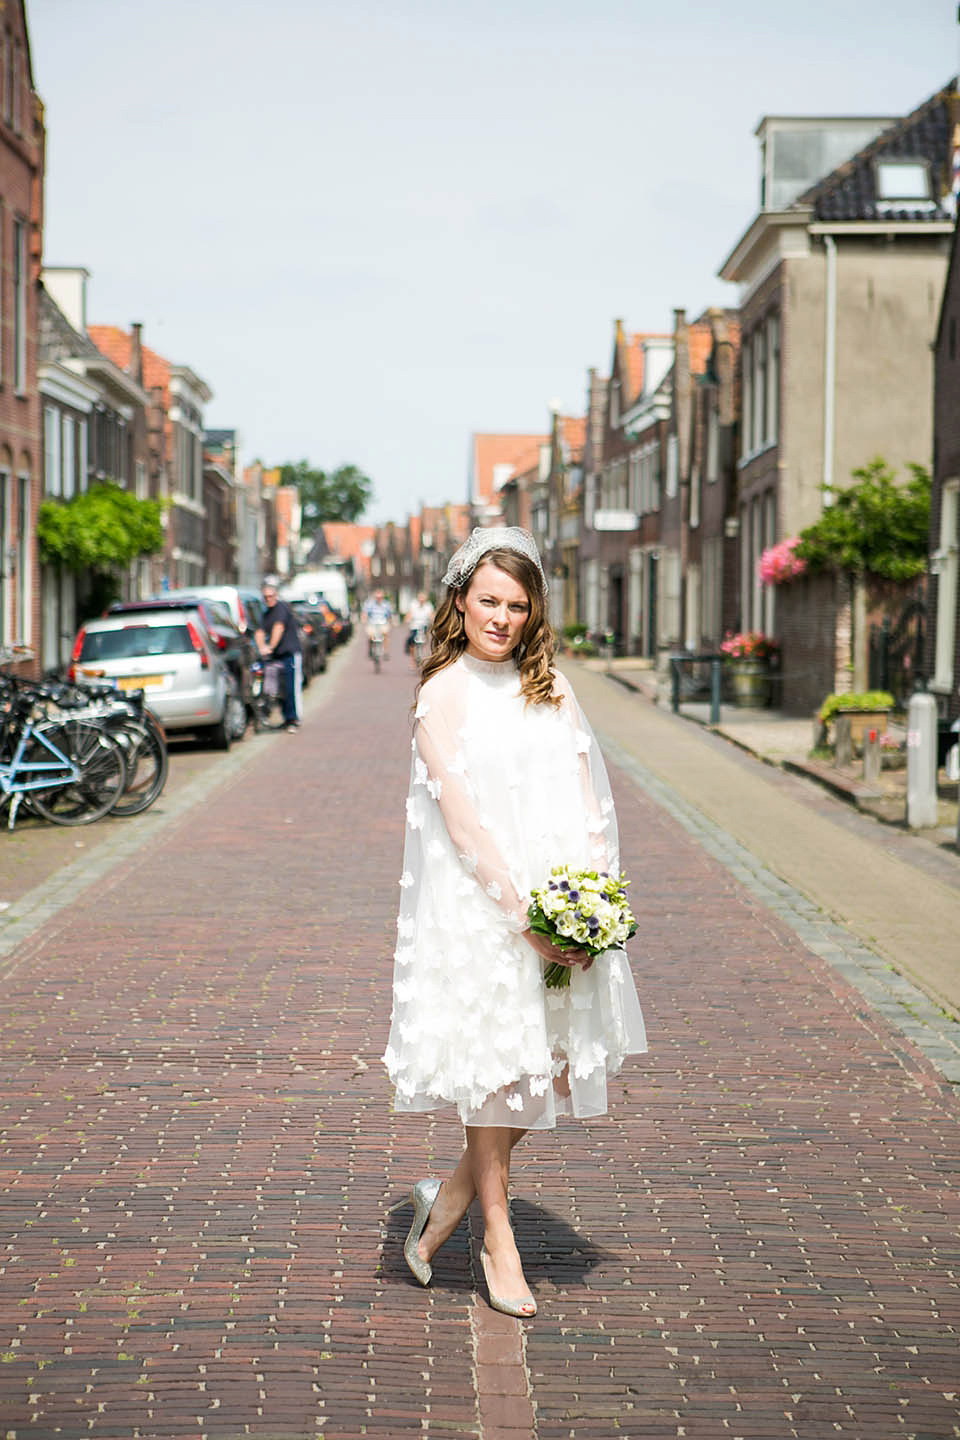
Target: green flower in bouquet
(581, 910)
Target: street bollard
(674, 684)
(871, 757)
(716, 681)
(843, 744)
(921, 761)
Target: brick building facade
(943, 645)
(22, 142)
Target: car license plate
(139, 682)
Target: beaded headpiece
(464, 561)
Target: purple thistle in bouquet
(581, 909)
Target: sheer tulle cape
(500, 791)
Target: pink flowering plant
(749, 645)
(780, 563)
(580, 909)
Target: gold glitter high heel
(524, 1309)
(422, 1196)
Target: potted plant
(868, 710)
(749, 654)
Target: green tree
(97, 535)
(874, 527)
(341, 494)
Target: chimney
(136, 351)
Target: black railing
(693, 683)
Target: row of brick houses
(702, 447)
(82, 404)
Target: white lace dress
(500, 791)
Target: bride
(507, 781)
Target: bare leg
(488, 1148)
(454, 1200)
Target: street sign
(615, 520)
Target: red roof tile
(489, 451)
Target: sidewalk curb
(35, 907)
(852, 792)
(901, 1003)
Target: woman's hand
(546, 949)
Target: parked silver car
(166, 653)
(245, 604)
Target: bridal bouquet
(580, 909)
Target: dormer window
(903, 185)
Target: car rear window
(135, 640)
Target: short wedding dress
(500, 792)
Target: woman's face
(494, 610)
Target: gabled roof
(573, 435)
(850, 191)
(117, 345)
(488, 451)
(57, 339)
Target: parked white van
(330, 582)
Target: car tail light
(76, 652)
(241, 612)
(220, 641)
(198, 645)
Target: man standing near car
(279, 639)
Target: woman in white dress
(506, 782)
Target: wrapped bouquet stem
(580, 910)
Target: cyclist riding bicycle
(378, 617)
(419, 618)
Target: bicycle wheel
(145, 754)
(271, 712)
(103, 772)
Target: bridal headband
(493, 537)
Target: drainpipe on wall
(829, 369)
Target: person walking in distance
(279, 639)
(378, 617)
(507, 782)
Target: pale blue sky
(374, 228)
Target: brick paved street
(199, 1154)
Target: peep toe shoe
(422, 1196)
(522, 1309)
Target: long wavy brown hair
(533, 656)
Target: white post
(921, 761)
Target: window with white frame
(759, 389)
(712, 446)
(672, 466)
(8, 63)
(773, 379)
(746, 588)
(140, 480)
(946, 561)
(695, 496)
(68, 464)
(82, 455)
(746, 399)
(52, 483)
(634, 498)
(19, 305)
(18, 87)
(24, 617)
(768, 593)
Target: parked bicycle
(269, 690)
(70, 770)
(75, 752)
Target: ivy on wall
(874, 527)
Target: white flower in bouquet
(585, 909)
